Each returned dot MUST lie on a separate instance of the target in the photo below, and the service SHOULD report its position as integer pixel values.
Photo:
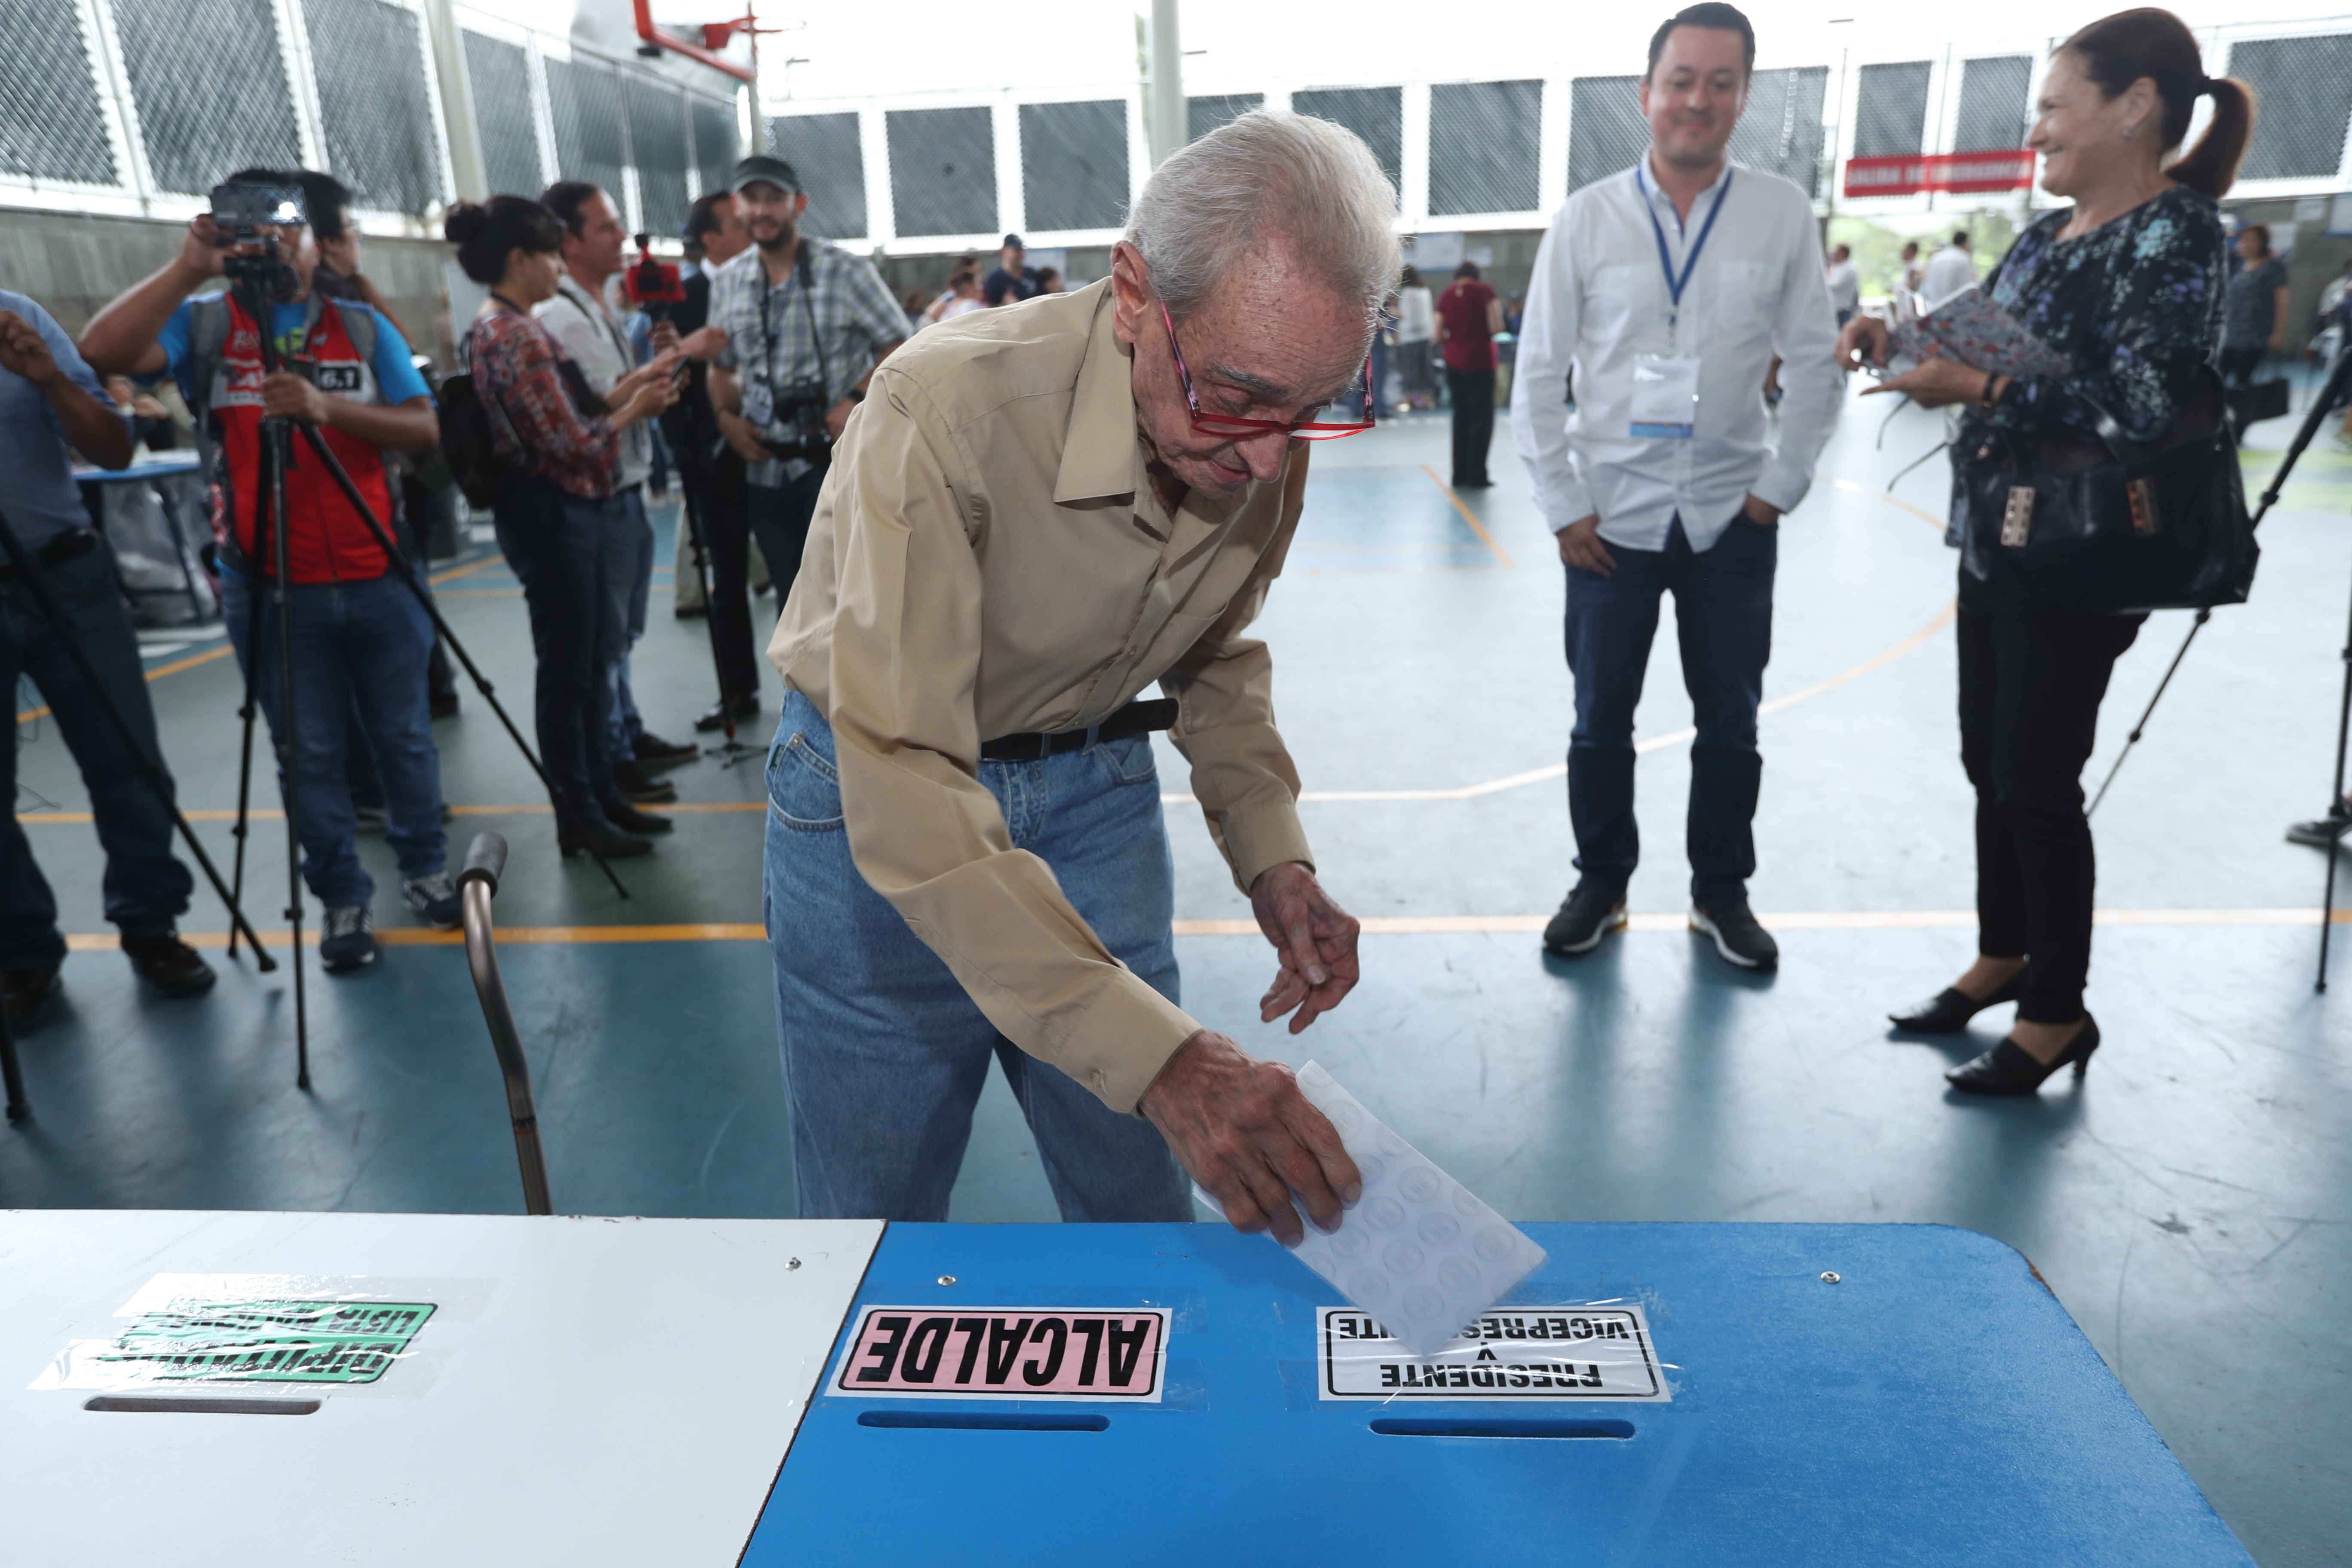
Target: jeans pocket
(1131, 760)
(804, 790)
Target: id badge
(758, 405)
(1665, 398)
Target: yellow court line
(467, 570)
(1471, 518)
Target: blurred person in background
(152, 425)
(1845, 283)
(1466, 316)
(2253, 318)
(962, 294)
(1012, 281)
(1950, 270)
(2129, 285)
(1049, 280)
(558, 447)
(578, 317)
(1416, 320)
(1913, 271)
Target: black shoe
(692, 612)
(653, 751)
(27, 993)
(348, 942)
(1480, 483)
(715, 717)
(2320, 832)
(602, 838)
(1948, 1012)
(1737, 935)
(169, 965)
(2008, 1070)
(441, 705)
(629, 819)
(1586, 915)
(636, 783)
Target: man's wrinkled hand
(1580, 547)
(24, 351)
(1315, 942)
(288, 396)
(1241, 1129)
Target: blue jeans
(628, 553)
(356, 645)
(884, 1055)
(1723, 618)
(146, 890)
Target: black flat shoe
(1948, 1012)
(2009, 1069)
(629, 819)
(602, 838)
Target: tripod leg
(2141, 728)
(11, 1073)
(2335, 812)
(276, 454)
(247, 714)
(408, 577)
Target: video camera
(796, 428)
(652, 285)
(250, 216)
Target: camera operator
(578, 319)
(48, 399)
(359, 637)
(806, 323)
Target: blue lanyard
(1674, 285)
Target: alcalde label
(1006, 1353)
(1537, 1352)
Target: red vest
(326, 540)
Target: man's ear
(1130, 292)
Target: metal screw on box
(1828, 1277)
(947, 1278)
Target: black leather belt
(70, 545)
(1135, 719)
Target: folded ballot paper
(1970, 328)
(1419, 1251)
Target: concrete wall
(74, 263)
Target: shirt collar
(1663, 204)
(1100, 454)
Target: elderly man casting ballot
(1036, 513)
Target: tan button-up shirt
(987, 558)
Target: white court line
(1795, 920)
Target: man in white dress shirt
(1846, 284)
(1950, 270)
(1668, 289)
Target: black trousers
(554, 544)
(2238, 366)
(2030, 686)
(1473, 393)
(715, 493)
(780, 521)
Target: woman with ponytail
(2127, 284)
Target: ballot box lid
(556, 1390)
(1858, 1394)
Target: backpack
(466, 445)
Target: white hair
(1264, 181)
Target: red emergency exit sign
(1963, 174)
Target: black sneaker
(1737, 935)
(1586, 915)
(169, 965)
(434, 898)
(2320, 832)
(639, 786)
(348, 941)
(653, 751)
(27, 993)
(715, 716)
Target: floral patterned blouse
(2134, 305)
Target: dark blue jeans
(1723, 619)
(146, 890)
(359, 645)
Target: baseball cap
(760, 168)
(1012, 242)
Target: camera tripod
(30, 570)
(270, 554)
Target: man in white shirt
(579, 320)
(1846, 284)
(1950, 270)
(1664, 480)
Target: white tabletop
(587, 1391)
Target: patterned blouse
(520, 376)
(2134, 305)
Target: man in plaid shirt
(806, 323)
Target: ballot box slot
(151, 1405)
(1497, 1427)
(982, 1421)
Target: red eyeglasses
(1321, 427)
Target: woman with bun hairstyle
(2129, 285)
(557, 443)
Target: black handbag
(2052, 521)
(2258, 401)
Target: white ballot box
(240, 1389)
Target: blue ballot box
(1656, 1394)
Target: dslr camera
(249, 216)
(797, 428)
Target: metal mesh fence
(1890, 112)
(1484, 147)
(1780, 131)
(2302, 98)
(588, 144)
(1202, 115)
(1374, 113)
(374, 109)
(500, 74)
(1993, 107)
(657, 141)
(211, 88)
(943, 170)
(825, 152)
(714, 142)
(1606, 133)
(1074, 163)
(50, 126)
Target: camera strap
(803, 261)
